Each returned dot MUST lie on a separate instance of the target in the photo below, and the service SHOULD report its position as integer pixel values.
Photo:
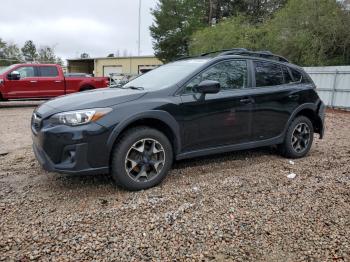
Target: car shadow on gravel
(106, 180)
(224, 157)
(88, 181)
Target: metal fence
(333, 84)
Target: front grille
(36, 122)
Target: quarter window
(287, 77)
(48, 71)
(26, 71)
(268, 74)
(230, 74)
(297, 76)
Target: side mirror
(14, 75)
(208, 87)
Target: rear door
(50, 81)
(276, 97)
(217, 119)
(26, 86)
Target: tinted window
(287, 77)
(26, 71)
(297, 76)
(48, 71)
(268, 74)
(230, 74)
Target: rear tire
(298, 139)
(141, 158)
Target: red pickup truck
(22, 81)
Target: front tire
(141, 158)
(298, 139)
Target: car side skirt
(229, 148)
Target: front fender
(163, 116)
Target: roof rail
(224, 50)
(263, 54)
(183, 58)
(210, 53)
(240, 51)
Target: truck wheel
(2, 99)
(86, 88)
(141, 158)
(298, 139)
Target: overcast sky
(97, 27)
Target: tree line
(11, 54)
(307, 32)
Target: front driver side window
(26, 71)
(230, 74)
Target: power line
(23, 61)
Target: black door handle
(293, 97)
(247, 100)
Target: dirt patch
(232, 207)
(15, 128)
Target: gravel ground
(233, 207)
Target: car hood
(105, 97)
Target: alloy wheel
(301, 137)
(145, 160)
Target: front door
(26, 86)
(224, 118)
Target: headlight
(75, 118)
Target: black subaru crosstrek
(214, 103)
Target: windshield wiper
(127, 87)
(134, 87)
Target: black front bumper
(78, 166)
(72, 150)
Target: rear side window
(268, 74)
(47, 71)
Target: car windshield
(5, 69)
(166, 75)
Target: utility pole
(139, 40)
